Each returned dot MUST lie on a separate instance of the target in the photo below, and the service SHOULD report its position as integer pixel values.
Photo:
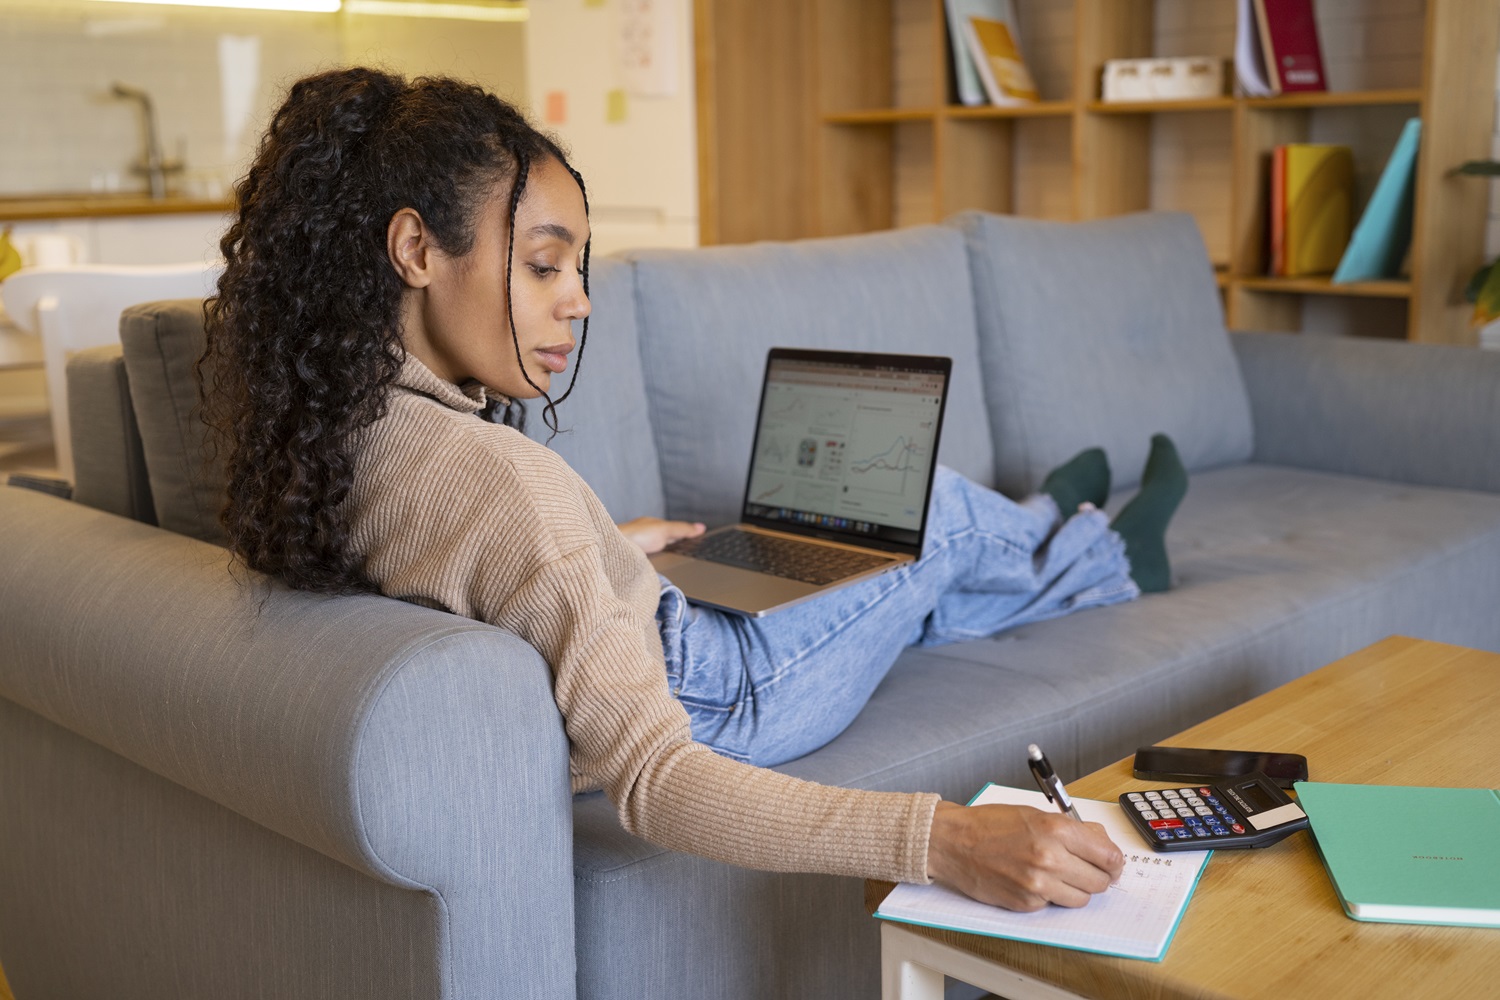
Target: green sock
(1084, 478)
(1143, 522)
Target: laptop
(839, 485)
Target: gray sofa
(214, 787)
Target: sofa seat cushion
(709, 316)
(1279, 571)
(1102, 333)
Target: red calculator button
(1236, 828)
(1205, 791)
(1164, 824)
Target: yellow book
(1319, 207)
(997, 57)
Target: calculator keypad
(1185, 814)
(1197, 819)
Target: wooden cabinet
(822, 117)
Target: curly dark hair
(304, 337)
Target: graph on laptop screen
(845, 448)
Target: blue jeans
(767, 690)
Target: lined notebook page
(1134, 918)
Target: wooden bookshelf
(1393, 289)
(855, 99)
(1160, 107)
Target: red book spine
(1278, 211)
(1292, 41)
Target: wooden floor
(5, 993)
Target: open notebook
(1135, 918)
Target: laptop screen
(846, 445)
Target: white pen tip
(1033, 751)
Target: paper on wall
(239, 82)
(648, 49)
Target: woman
(408, 259)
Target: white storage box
(1179, 79)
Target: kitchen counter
(26, 208)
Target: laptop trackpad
(729, 587)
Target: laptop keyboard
(783, 557)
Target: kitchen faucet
(154, 166)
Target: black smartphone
(1191, 764)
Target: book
(966, 78)
(1383, 233)
(1409, 854)
(1249, 54)
(997, 57)
(1318, 196)
(1278, 211)
(1289, 41)
(1135, 918)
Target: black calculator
(1247, 811)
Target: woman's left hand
(653, 534)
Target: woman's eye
(542, 270)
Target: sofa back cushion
(109, 464)
(163, 342)
(606, 430)
(1102, 333)
(605, 426)
(708, 317)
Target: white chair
(72, 308)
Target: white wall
(641, 172)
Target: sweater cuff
(924, 806)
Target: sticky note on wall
(555, 108)
(616, 109)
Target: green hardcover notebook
(1409, 855)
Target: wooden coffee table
(1267, 923)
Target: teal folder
(1409, 855)
(1383, 231)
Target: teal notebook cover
(1408, 854)
(1383, 231)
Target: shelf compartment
(1041, 109)
(1337, 99)
(1153, 107)
(1322, 285)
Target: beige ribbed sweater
(448, 509)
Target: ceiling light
(307, 6)
(423, 8)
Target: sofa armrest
(421, 749)
(1412, 413)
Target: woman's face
(458, 325)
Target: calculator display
(1256, 796)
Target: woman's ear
(409, 246)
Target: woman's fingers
(652, 534)
(1021, 858)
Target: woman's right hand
(1019, 857)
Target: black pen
(1047, 780)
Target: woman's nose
(577, 306)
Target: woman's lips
(555, 358)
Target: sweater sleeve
(471, 516)
(626, 729)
